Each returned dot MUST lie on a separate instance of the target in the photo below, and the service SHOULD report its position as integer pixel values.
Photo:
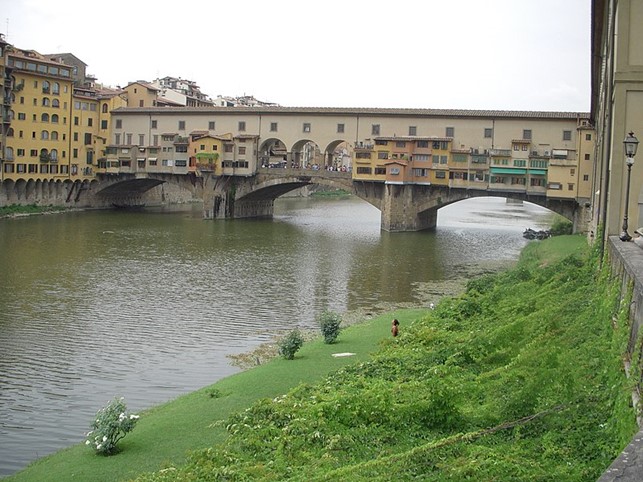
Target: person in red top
(395, 327)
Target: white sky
(459, 54)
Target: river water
(148, 305)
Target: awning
(508, 170)
(538, 172)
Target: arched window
(45, 87)
(55, 103)
(54, 118)
(45, 102)
(54, 135)
(53, 155)
(55, 88)
(10, 132)
(44, 155)
(44, 117)
(104, 108)
(44, 135)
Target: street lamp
(631, 143)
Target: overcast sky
(460, 54)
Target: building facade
(617, 109)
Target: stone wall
(627, 264)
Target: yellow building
(206, 151)
(38, 141)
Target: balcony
(500, 152)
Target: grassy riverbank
(520, 378)
(15, 210)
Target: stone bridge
(403, 207)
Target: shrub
(561, 226)
(329, 324)
(112, 423)
(290, 344)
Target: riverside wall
(626, 260)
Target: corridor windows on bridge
(375, 130)
(273, 127)
(181, 125)
(242, 126)
(488, 132)
(119, 124)
(306, 127)
(567, 135)
(450, 132)
(413, 130)
(211, 125)
(526, 134)
(155, 124)
(340, 128)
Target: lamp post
(631, 143)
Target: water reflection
(148, 305)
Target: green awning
(538, 172)
(508, 170)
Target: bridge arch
(273, 151)
(305, 153)
(336, 154)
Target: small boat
(128, 207)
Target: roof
(413, 138)
(145, 84)
(383, 112)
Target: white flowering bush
(111, 424)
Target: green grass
(15, 209)
(164, 434)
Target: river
(148, 305)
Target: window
(363, 170)
(375, 130)
(587, 157)
(567, 135)
(413, 130)
(154, 124)
(181, 125)
(55, 88)
(440, 174)
(570, 186)
(33, 153)
(75, 136)
(44, 118)
(525, 147)
(129, 139)
(44, 135)
(20, 153)
(75, 154)
(488, 132)
(141, 139)
(117, 139)
(88, 138)
(526, 134)
(382, 155)
(211, 125)
(572, 172)
(516, 147)
(155, 140)
(90, 122)
(450, 132)
(400, 144)
(381, 171)
(585, 176)
(54, 118)
(45, 102)
(45, 87)
(55, 103)
(242, 126)
(242, 151)
(104, 109)
(588, 137)
(273, 127)
(423, 144)
(227, 148)
(76, 121)
(340, 128)
(22, 116)
(54, 135)
(306, 127)
(119, 124)
(103, 124)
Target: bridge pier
(400, 210)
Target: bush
(561, 226)
(329, 324)
(112, 423)
(290, 344)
